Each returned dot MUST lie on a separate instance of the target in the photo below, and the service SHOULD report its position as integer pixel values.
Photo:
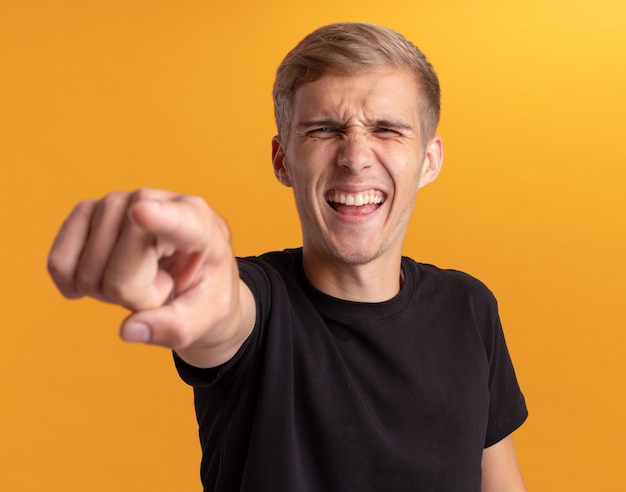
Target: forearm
(500, 470)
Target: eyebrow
(380, 122)
(399, 124)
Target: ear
(279, 163)
(433, 160)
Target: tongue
(352, 210)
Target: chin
(355, 257)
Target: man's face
(355, 160)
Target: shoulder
(286, 260)
(431, 278)
(454, 295)
(272, 274)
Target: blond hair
(350, 48)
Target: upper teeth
(355, 199)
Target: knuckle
(195, 201)
(126, 291)
(62, 278)
(113, 210)
(83, 208)
(115, 290)
(113, 201)
(85, 282)
(56, 267)
(142, 193)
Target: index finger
(184, 223)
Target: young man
(340, 365)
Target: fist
(159, 254)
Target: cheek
(303, 185)
(406, 186)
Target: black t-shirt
(332, 395)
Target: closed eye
(386, 132)
(390, 128)
(322, 132)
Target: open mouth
(361, 202)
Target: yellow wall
(110, 95)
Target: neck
(375, 281)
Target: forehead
(389, 92)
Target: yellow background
(112, 95)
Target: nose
(355, 153)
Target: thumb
(161, 326)
(176, 325)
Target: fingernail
(136, 332)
